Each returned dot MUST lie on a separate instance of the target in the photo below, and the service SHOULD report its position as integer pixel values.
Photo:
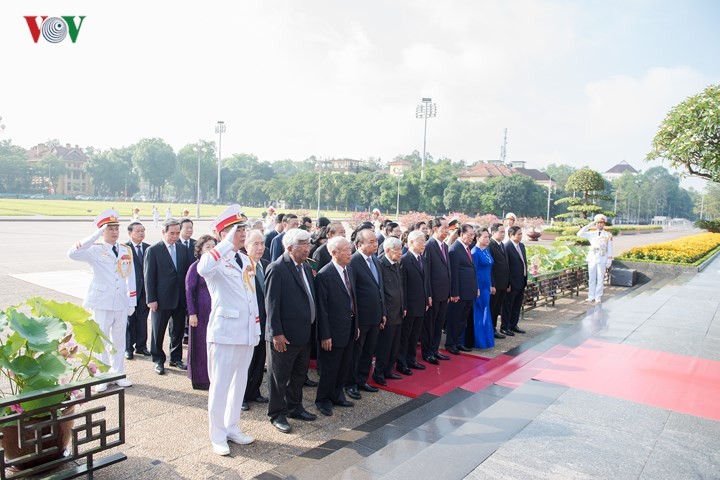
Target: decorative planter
(533, 235)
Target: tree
(517, 193)
(156, 162)
(689, 137)
(187, 167)
(52, 168)
(591, 185)
(112, 172)
(14, 176)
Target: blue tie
(371, 264)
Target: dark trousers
(511, 308)
(386, 350)
(286, 376)
(137, 328)
(411, 329)
(337, 364)
(496, 303)
(255, 372)
(159, 321)
(363, 351)
(457, 314)
(432, 328)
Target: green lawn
(90, 208)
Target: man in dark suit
(136, 336)
(186, 231)
(337, 326)
(517, 264)
(438, 269)
(166, 264)
(416, 284)
(499, 275)
(392, 229)
(463, 290)
(277, 229)
(289, 221)
(368, 281)
(255, 247)
(322, 255)
(388, 342)
(290, 306)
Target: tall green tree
(689, 137)
(112, 172)
(187, 166)
(156, 162)
(591, 187)
(14, 176)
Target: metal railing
(544, 289)
(91, 431)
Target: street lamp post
(397, 206)
(219, 129)
(199, 149)
(548, 202)
(320, 164)
(425, 110)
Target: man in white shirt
(599, 257)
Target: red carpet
(438, 379)
(675, 382)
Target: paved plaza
(526, 418)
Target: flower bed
(684, 251)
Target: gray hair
(393, 242)
(335, 243)
(294, 236)
(170, 222)
(414, 235)
(253, 233)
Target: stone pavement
(166, 419)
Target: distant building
(483, 171)
(75, 182)
(343, 165)
(618, 170)
(399, 167)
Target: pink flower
(16, 408)
(92, 367)
(77, 394)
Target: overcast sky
(575, 82)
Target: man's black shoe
(344, 403)
(305, 416)
(245, 406)
(453, 350)
(379, 381)
(432, 360)
(499, 335)
(282, 424)
(404, 370)
(417, 366)
(507, 332)
(128, 355)
(368, 388)
(310, 383)
(517, 329)
(324, 410)
(261, 399)
(441, 356)
(159, 369)
(353, 393)
(463, 348)
(178, 364)
(143, 351)
(393, 376)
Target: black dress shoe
(379, 381)
(368, 388)
(282, 424)
(305, 416)
(245, 406)
(417, 366)
(159, 369)
(441, 356)
(393, 376)
(432, 360)
(463, 348)
(143, 351)
(507, 332)
(200, 386)
(453, 350)
(261, 399)
(499, 335)
(327, 411)
(310, 383)
(186, 340)
(128, 355)
(353, 393)
(344, 403)
(405, 371)
(178, 364)
(517, 329)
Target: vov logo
(54, 29)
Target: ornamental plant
(687, 250)
(542, 260)
(44, 344)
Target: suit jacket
(268, 243)
(334, 307)
(286, 301)
(518, 272)
(438, 269)
(276, 247)
(500, 273)
(163, 282)
(260, 294)
(393, 288)
(191, 249)
(322, 256)
(370, 298)
(464, 277)
(416, 284)
(139, 268)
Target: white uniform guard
(111, 295)
(599, 256)
(233, 331)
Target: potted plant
(44, 344)
(531, 225)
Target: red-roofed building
(483, 171)
(619, 169)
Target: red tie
(467, 249)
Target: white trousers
(228, 371)
(596, 278)
(113, 323)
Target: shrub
(712, 226)
(686, 250)
(572, 240)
